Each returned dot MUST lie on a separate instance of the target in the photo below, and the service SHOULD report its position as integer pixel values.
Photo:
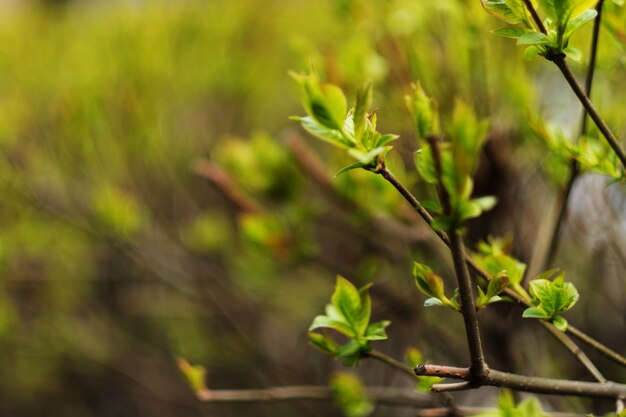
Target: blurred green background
(158, 203)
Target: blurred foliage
(118, 253)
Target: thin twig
(225, 184)
(599, 347)
(394, 363)
(535, 17)
(574, 166)
(533, 384)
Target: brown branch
(390, 396)
(532, 384)
(468, 307)
(225, 184)
(535, 16)
(383, 395)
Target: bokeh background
(158, 203)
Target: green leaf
(413, 357)
(427, 281)
(341, 326)
(325, 103)
(376, 331)
(368, 157)
(433, 302)
(443, 223)
(350, 395)
(332, 136)
(576, 23)
(531, 52)
(509, 11)
(425, 164)
(350, 167)
(351, 349)
(573, 54)
(433, 206)
(363, 103)
(425, 383)
(323, 343)
(535, 313)
(560, 323)
(423, 109)
(512, 33)
(346, 300)
(533, 38)
(195, 375)
(385, 139)
(497, 284)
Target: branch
(226, 185)
(468, 308)
(392, 362)
(599, 347)
(383, 395)
(532, 384)
(535, 16)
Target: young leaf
(323, 343)
(509, 11)
(195, 375)
(512, 33)
(423, 109)
(432, 301)
(347, 301)
(363, 103)
(560, 323)
(376, 331)
(325, 103)
(533, 38)
(535, 313)
(350, 396)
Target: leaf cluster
(564, 18)
(349, 314)
(432, 285)
(329, 119)
(551, 298)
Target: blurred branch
(383, 395)
(525, 383)
(225, 184)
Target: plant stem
(392, 362)
(574, 167)
(530, 383)
(535, 16)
